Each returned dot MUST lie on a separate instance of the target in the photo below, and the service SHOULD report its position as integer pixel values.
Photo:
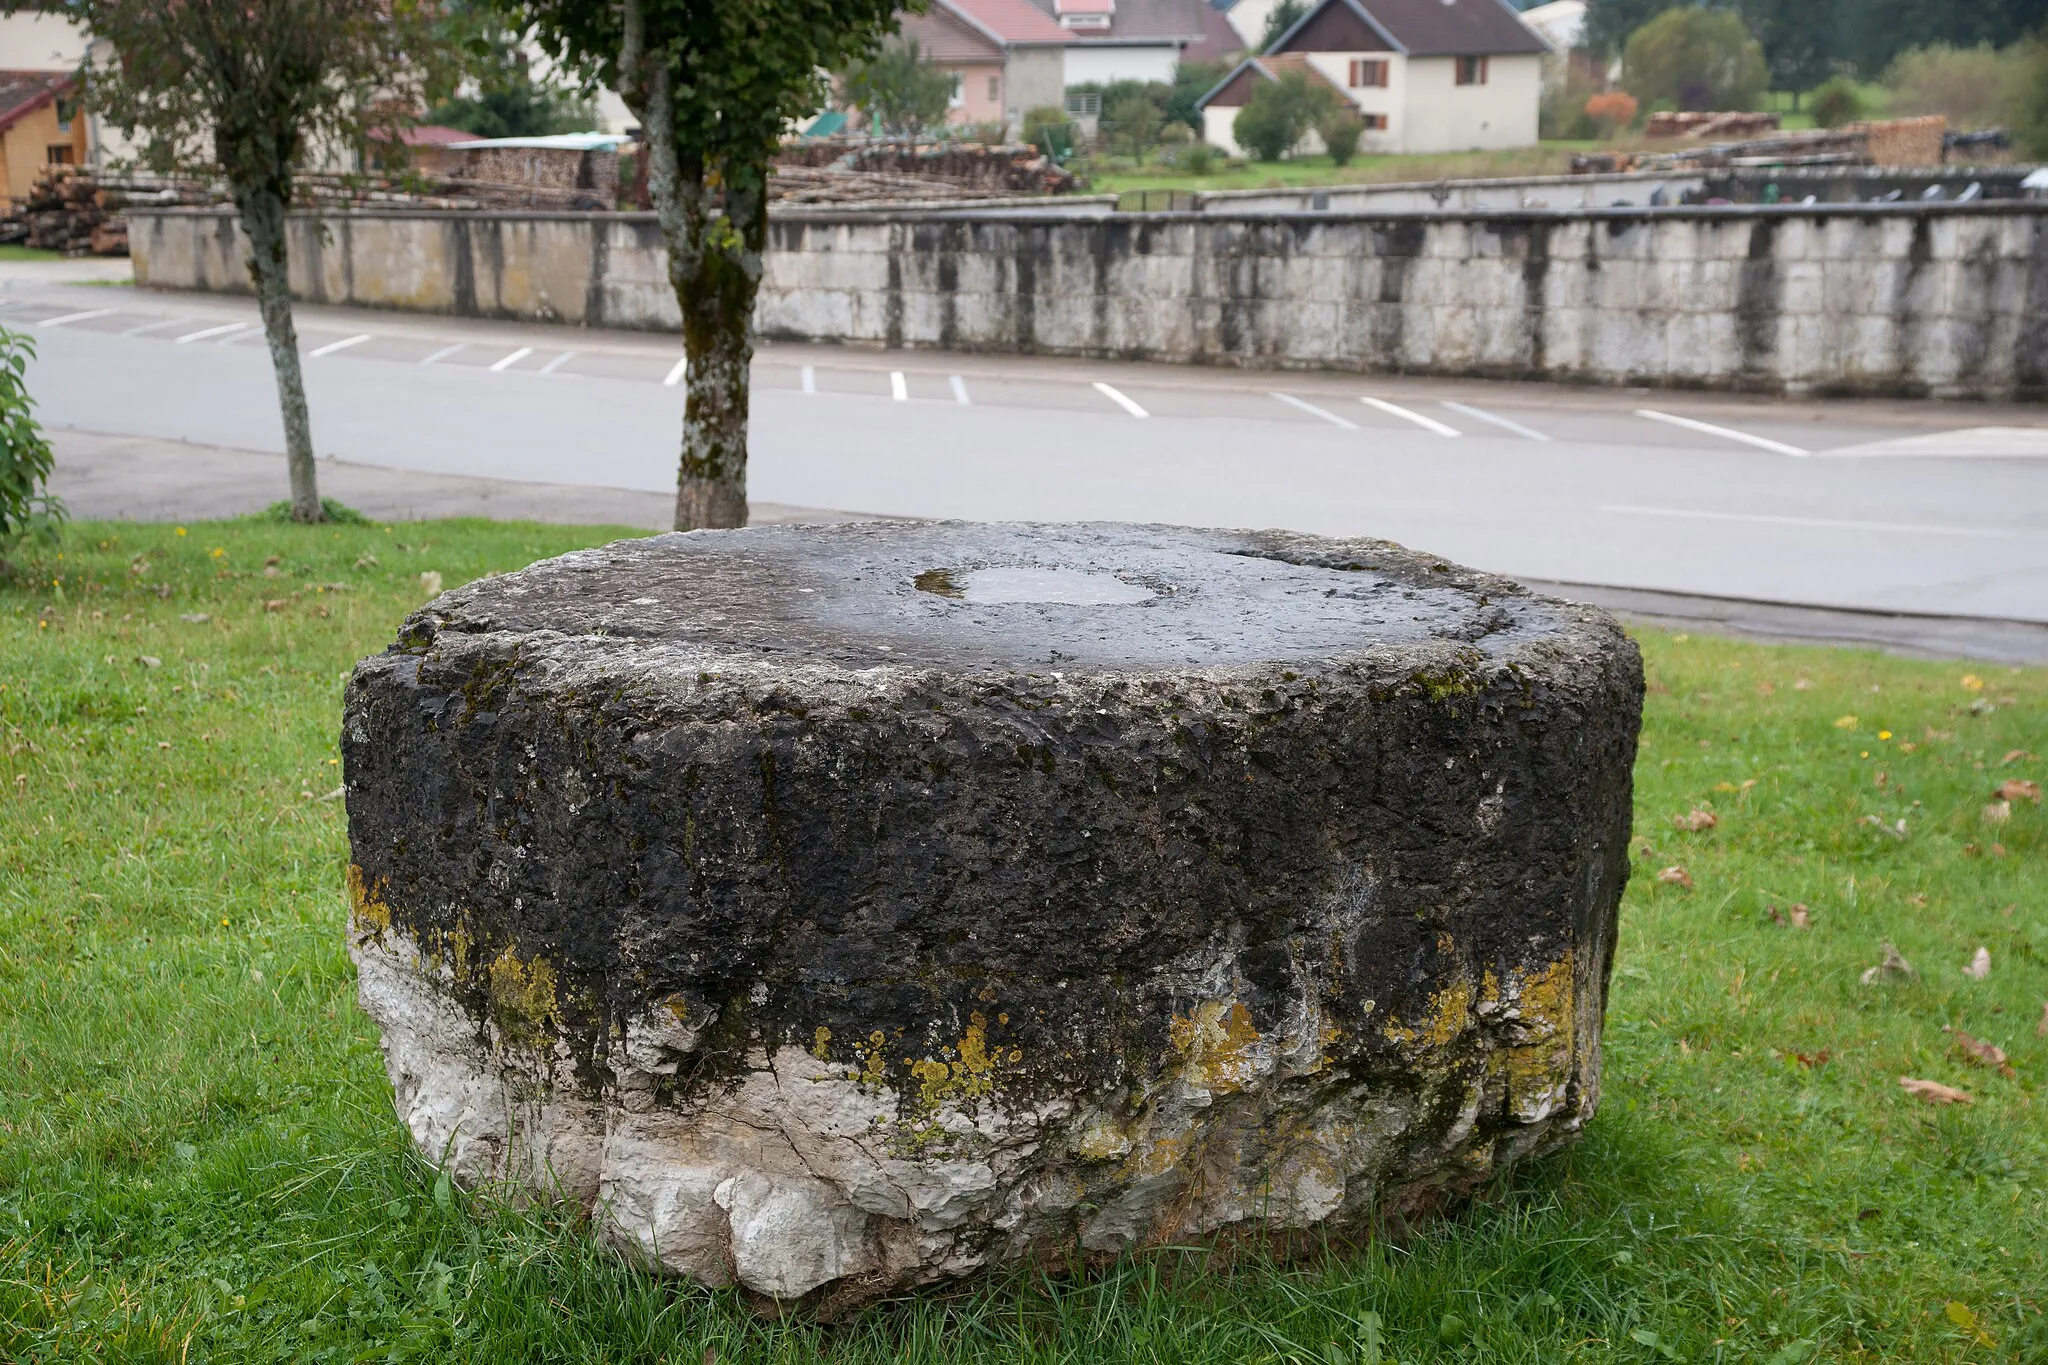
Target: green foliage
(1340, 129)
(1973, 87)
(525, 109)
(1283, 16)
(199, 1160)
(1198, 158)
(1191, 81)
(1695, 58)
(1046, 128)
(1837, 102)
(1279, 112)
(493, 92)
(2030, 100)
(1131, 125)
(27, 507)
(899, 85)
(331, 509)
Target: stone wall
(1947, 300)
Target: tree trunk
(262, 211)
(714, 219)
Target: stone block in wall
(1802, 286)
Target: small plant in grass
(27, 507)
(1837, 102)
(1198, 158)
(330, 510)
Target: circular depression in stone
(967, 597)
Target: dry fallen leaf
(2019, 789)
(1892, 966)
(1812, 1060)
(430, 583)
(1676, 876)
(1997, 812)
(194, 618)
(1798, 917)
(1980, 965)
(1990, 1054)
(149, 661)
(1934, 1092)
(277, 604)
(2041, 1029)
(1695, 820)
(2013, 756)
(1803, 685)
(1896, 830)
(1845, 722)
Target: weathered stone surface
(838, 909)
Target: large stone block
(834, 910)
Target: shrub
(1198, 158)
(1278, 113)
(1612, 111)
(1340, 130)
(27, 508)
(897, 84)
(1975, 87)
(1696, 58)
(1131, 125)
(1562, 114)
(1047, 129)
(1836, 102)
(339, 513)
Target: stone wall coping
(2009, 208)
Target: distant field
(1549, 158)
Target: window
(1471, 70)
(959, 95)
(1374, 123)
(1084, 103)
(57, 154)
(67, 110)
(994, 90)
(1366, 72)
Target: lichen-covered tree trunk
(262, 210)
(714, 220)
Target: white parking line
(1312, 410)
(557, 362)
(1120, 400)
(810, 379)
(74, 317)
(960, 391)
(1396, 410)
(204, 333)
(156, 326)
(342, 345)
(1504, 423)
(1725, 433)
(1817, 523)
(442, 354)
(898, 390)
(675, 376)
(241, 335)
(509, 361)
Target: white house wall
(1443, 116)
(1101, 65)
(1336, 67)
(1219, 128)
(1033, 78)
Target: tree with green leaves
(1279, 112)
(714, 83)
(264, 86)
(1282, 17)
(1695, 58)
(898, 85)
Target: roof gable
(1340, 26)
(1234, 91)
(1018, 23)
(24, 92)
(944, 36)
(1419, 28)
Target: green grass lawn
(199, 1162)
(1550, 158)
(14, 251)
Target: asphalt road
(1876, 506)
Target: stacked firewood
(858, 170)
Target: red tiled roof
(943, 36)
(1233, 90)
(1017, 22)
(24, 92)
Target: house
(40, 126)
(1425, 75)
(1005, 57)
(1133, 40)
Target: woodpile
(63, 213)
(1700, 125)
(1893, 142)
(860, 171)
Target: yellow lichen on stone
(522, 997)
(1102, 1141)
(1219, 1043)
(1444, 1020)
(971, 1077)
(366, 908)
(1158, 1156)
(820, 1040)
(874, 1063)
(1539, 1070)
